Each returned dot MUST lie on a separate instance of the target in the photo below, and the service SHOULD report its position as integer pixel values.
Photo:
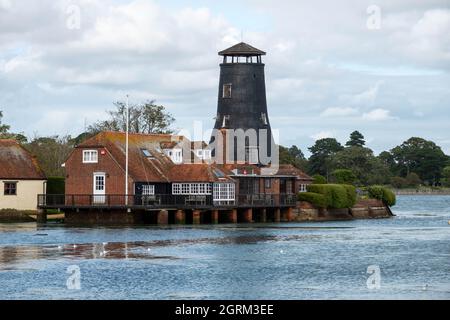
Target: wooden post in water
(41, 216)
(277, 215)
(180, 217)
(215, 217)
(196, 217)
(248, 216)
(163, 217)
(233, 216)
(263, 216)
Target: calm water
(285, 261)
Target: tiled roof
(197, 173)
(18, 163)
(242, 49)
(290, 170)
(158, 168)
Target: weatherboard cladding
(17, 163)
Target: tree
(3, 127)
(5, 134)
(51, 153)
(144, 118)
(422, 157)
(399, 182)
(356, 140)
(413, 180)
(344, 176)
(388, 160)
(293, 156)
(446, 176)
(367, 168)
(321, 154)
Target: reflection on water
(132, 250)
(273, 261)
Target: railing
(267, 200)
(161, 201)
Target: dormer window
(90, 156)
(227, 88)
(203, 154)
(176, 155)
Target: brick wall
(80, 176)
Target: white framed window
(148, 190)
(303, 188)
(207, 154)
(224, 192)
(176, 188)
(176, 155)
(191, 189)
(90, 156)
(203, 154)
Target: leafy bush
(384, 194)
(56, 185)
(318, 179)
(389, 197)
(336, 195)
(351, 195)
(316, 199)
(344, 176)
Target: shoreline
(422, 193)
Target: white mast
(126, 149)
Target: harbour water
(272, 261)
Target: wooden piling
(163, 217)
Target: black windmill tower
(242, 99)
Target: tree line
(414, 162)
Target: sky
(332, 67)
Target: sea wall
(364, 209)
(10, 215)
(93, 217)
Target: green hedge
(337, 196)
(382, 193)
(318, 179)
(316, 199)
(56, 185)
(351, 195)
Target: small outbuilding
(21, 178)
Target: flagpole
(126, 148)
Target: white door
(99, 188)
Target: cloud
(322, 135)
(377, 115)
(339, 112)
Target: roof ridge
(242, 48)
